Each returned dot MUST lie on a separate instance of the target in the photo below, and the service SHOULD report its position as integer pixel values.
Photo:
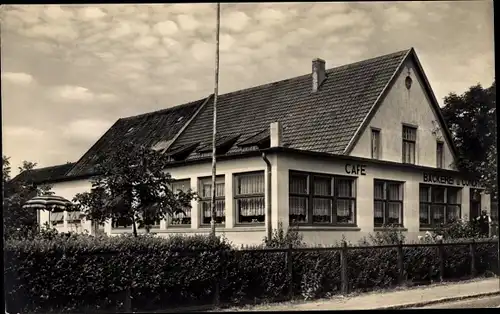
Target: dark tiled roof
(150, 129)
(324, 121)
(41, 175)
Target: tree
(132, 187)
(17, 220)
(471, 118)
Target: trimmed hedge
(69, 273)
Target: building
(341, 151)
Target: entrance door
(475, 203)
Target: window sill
(328, 228)
(388, 228)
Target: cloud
(86, 129)
(91, 13)
(22, 131)
(75, 93)
(187, 22)
(235, 21)
(166, 28)
(17, 77)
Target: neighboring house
(342, 151)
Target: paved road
(487, 302)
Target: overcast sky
(69, 72)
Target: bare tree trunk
(214, 135)
(134, 227)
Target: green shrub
(70, 272)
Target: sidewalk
(410, 297)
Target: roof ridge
(305, 75)
(164, 110)
(55, 166)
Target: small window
(180, 219)
(439, 154)
(375, 144)
(388, 203)
(206, 199)
(250, 198)
(409, 143)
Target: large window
(439, 205)
(375, 144)
(206, 197)
(439, 154)
(249, 197)
(388, 203)
(409, 143)
(180, 219)
(321, 199)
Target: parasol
(51, 203)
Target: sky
(69, 72)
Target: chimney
(276, 134)
(318, 73)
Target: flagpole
(216, 91)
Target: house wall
(281, 166)
(68, 190)
(413, 107)
(364, 197)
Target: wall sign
(356, 169)
(432, 178)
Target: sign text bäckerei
(432, 178)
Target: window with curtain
(439, 205)
(439, 154)
(180, 219)
(375, 144)
(409, 143)
(388, 203)
(75, 217)
(321, 199)
(205, 195)
(57, 218)
(250, 198)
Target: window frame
(430, 203)
(310, 196)
(406, 141)
(440, 159)
(209, 199)
(169, 217)
(378, 132)
(386, 201)
(237, 197)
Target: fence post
(343, 269)
(441, 260)
(289, 264)
(400, 262)
(472, 252)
